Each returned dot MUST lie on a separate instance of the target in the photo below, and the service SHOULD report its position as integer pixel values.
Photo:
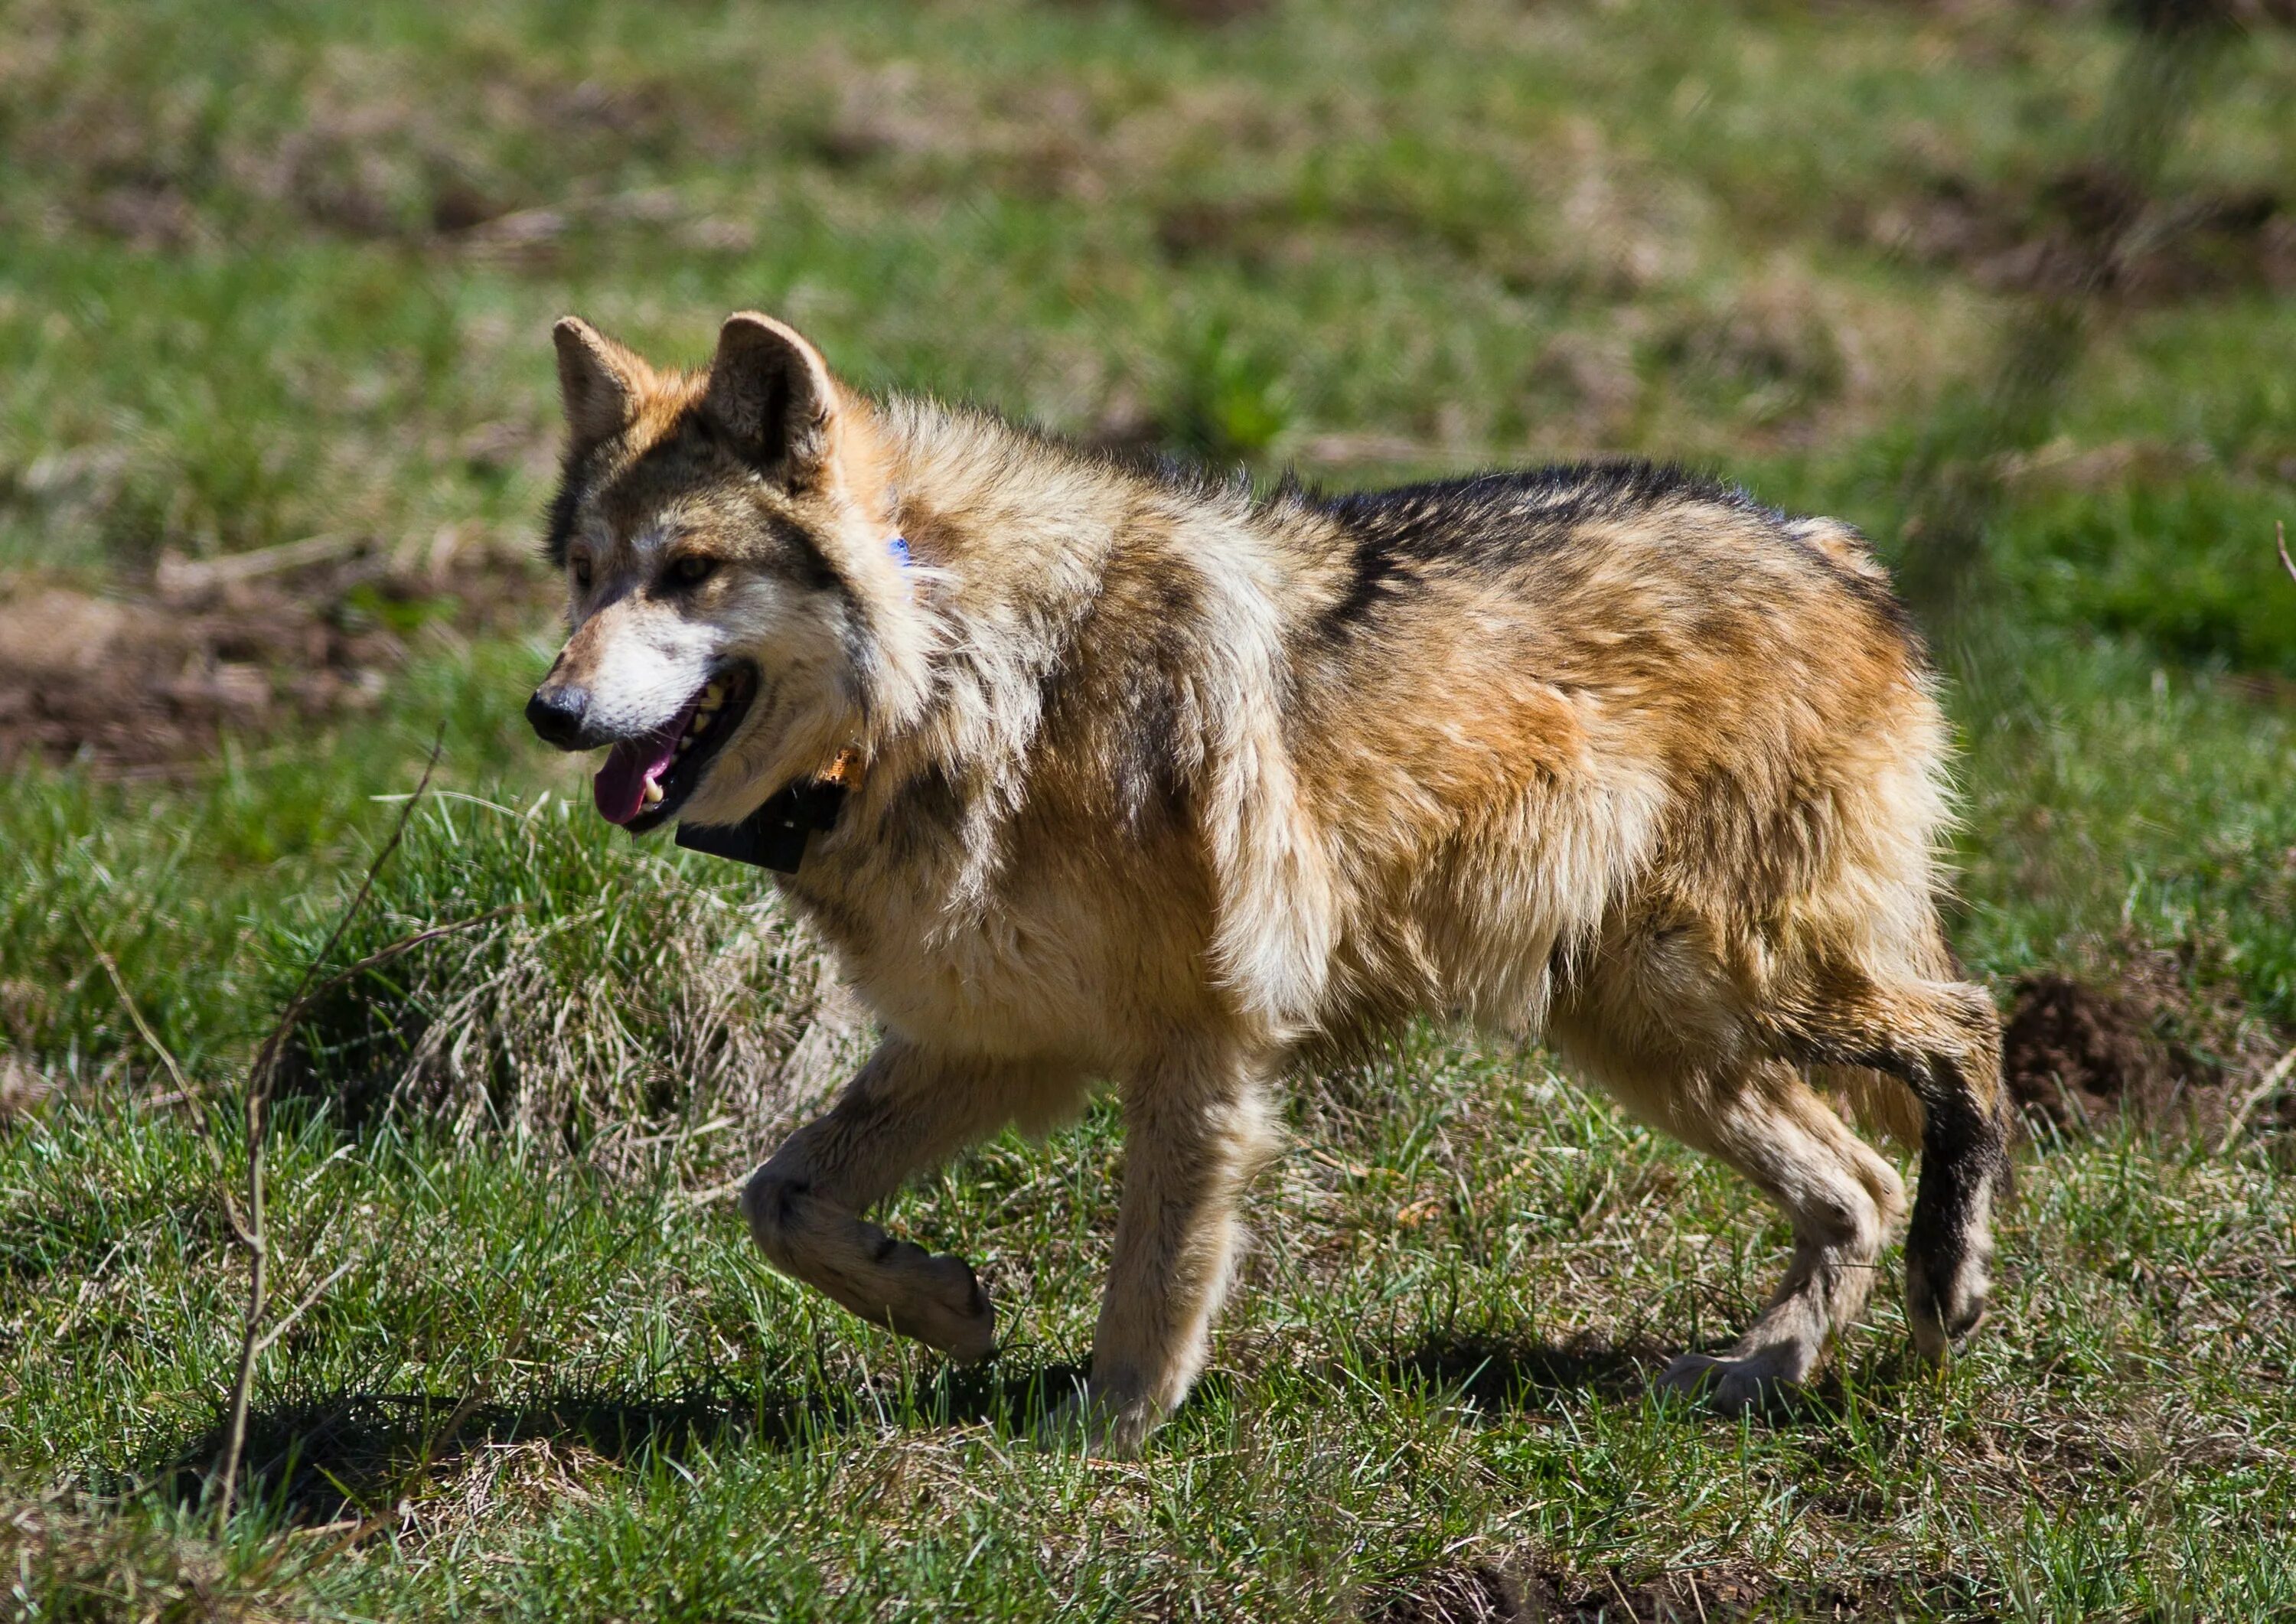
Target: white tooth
(652, 793)
(713, 696)
(685, 744)
(700, 724)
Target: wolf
(1153, 779)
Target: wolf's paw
(1732, 1386)
(948, 1309)
(1094, 1425)
(1941, 1313)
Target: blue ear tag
(901, 548)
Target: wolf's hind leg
(1195, 1131)
(1943, 1038)
(908, 1110)
(1842, 1197)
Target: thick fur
(1168, 782)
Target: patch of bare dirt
(2073, 1056)
(2152, 1046)
(146, 680)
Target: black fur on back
(1494, 520)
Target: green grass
(269, 272)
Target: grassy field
(275, 276)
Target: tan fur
(1170, 784)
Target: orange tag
(844, 770)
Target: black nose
(557, 715)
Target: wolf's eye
(581, 573)
(692, 570)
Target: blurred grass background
(271, 273)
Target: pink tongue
(620, 785)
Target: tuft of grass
(71, 1560)
(599, 998)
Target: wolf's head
(738, 608)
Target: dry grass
(610, 1009)
(21, 1087)
(65, 1557)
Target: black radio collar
(773, 836)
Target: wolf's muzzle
(560, 714)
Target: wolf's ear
(771, 393)
(599, 381)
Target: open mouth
(645, 780)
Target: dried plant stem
(248, 1234)
(249, 1230)
(143, 1026)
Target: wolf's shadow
(356, 1454)
(353, 1455)
(1494, 1373)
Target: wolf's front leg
(908, 1110)
(1196, 1128)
